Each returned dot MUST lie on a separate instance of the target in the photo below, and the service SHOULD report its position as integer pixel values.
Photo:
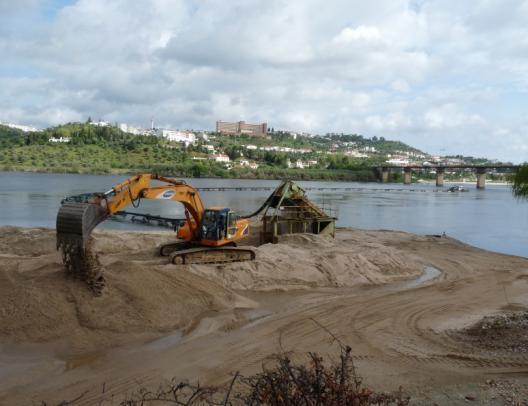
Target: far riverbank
(367, 175)
(267, 173)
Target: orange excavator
(206, 235)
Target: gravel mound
(504, 332)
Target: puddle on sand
(76, 361)
(18, 362)
(429, 273)
(88, 359)
(163, 342)
(256, 316)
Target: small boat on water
(457, 188)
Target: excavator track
(209, 255)
(166, 250)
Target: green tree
(520, 182)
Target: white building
(60, 139)
(398, 161)
(203, 136)
(136, 131)
(178, 136)
(219, 158)
(297, 164)
(249, 164)
(356, 154)
(100, 123)
(142, 131)
(285, 149)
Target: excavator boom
(79, 215)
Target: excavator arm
(79, 215)
(137, 187)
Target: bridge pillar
(407, 172)
(440, 177)
(385, 175)
(481, 178)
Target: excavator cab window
(214, 224)
(231, 224)
(209, 225)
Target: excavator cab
(214, 224)
(220, 226)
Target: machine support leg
(439, 177)
(407, 172)
(481, 179)
(385, 175)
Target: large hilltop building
(242, 128)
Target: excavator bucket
(75, 222)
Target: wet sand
(395, 298)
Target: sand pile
(146, 295)
(143, 294)
(307, 260)
(26, 242)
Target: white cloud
(450, 75)
(400, 85)
(448, 116)
(362, 32)
(392, 121)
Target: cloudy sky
(446, 76)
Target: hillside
(90, 148)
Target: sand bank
(363, 285)
(146, 294)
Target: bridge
(480, 170)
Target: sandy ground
(399, 300)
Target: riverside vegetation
(108, 150)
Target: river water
(490, 219)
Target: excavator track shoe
(166, 250)
(217, 255)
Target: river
(491, 219)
